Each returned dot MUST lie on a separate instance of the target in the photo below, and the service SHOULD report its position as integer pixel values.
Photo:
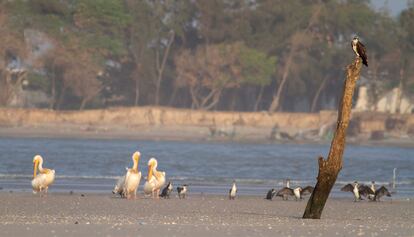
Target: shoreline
(25, 214)
(189, 134)
(174, 124)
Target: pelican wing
(306, 190)
(38, 183)
(285, 191)
(347, 188)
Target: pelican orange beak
(35, 164)
(136, 157)
(150, 171)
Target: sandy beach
(64, 214)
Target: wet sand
(64, 214)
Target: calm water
(94, 165)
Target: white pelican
(41, 181)
(128, 184)
(155, 179)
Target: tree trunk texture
(317, 94)
(89, 97)
(160, 67)
(61, 97)
(374, 97)
(274, 106)
(400, 93)
(136, 91)
(329, 168)
(259, 99)
(294, 46)
(173, 96)
(9, 90)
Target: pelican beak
(136, 159)
(149, 172)
(35, 164)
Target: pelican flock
(127, 185)
(44, 179)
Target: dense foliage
(239, 55)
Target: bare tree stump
(329, 168)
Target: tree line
(237, 55)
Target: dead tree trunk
(329, 168)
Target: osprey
(359, 50)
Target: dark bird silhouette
(306, 190)
(360, 50)
(382, 191)
(270, 194)
(285, 193)
(366, 191)
(298, 192)
(167, 190)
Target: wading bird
(167, 190)
(270, 194)
(128, 184)
(233, 191)
(353, 188)
(182, 191)
(41, 181)
(155, 179)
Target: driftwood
(329, 168)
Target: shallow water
(94, 165)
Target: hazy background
(230, 55)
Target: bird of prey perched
(360, 50)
